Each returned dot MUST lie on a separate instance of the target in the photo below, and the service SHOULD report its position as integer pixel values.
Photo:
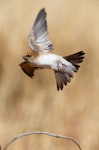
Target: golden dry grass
(28, 105)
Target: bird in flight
(40, 57)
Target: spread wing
(38, 38)
(27, 69)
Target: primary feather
(38, 38)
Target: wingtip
(43, 10)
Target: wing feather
(38, 38)
(27, 69)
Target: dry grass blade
(41, 132)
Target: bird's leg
(61, 67)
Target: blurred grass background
(34, 104)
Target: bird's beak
(24, 57)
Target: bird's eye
(28, 55)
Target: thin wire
(41, 132)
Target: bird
(41, 57)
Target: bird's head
(28, 57)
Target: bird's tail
(75, 59)
(62, 78)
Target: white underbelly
(50, 60)
(47, 59)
